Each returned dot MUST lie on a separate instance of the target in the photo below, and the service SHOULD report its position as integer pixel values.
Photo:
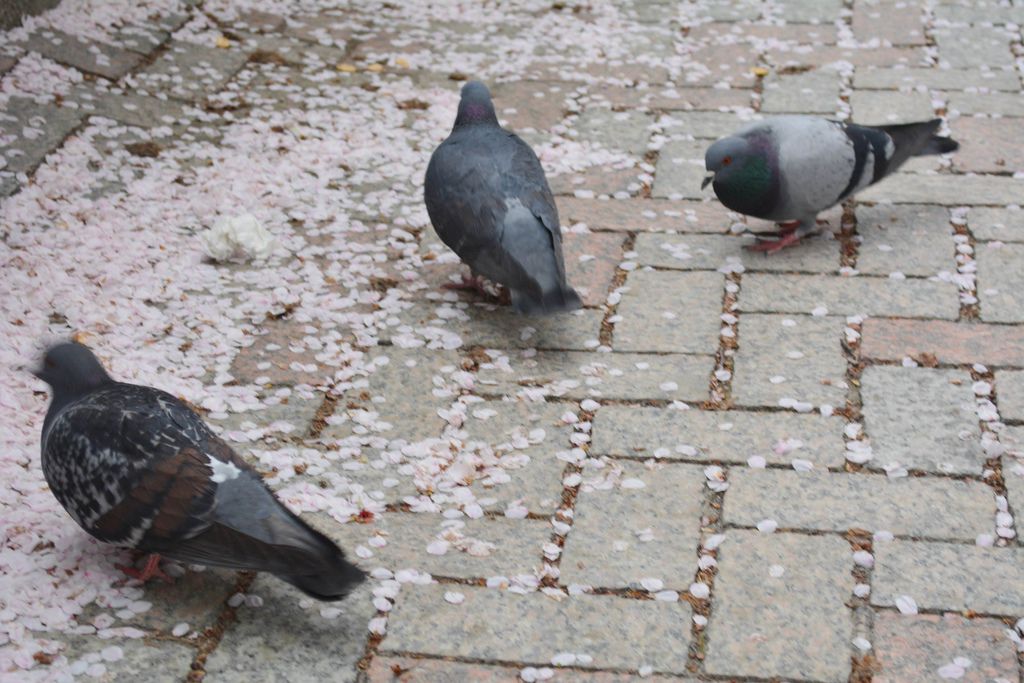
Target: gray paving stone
(628, 376)
(922, 418)
(50, 125)
(135, 110)
(140, 38)
(189, 71)
(494, 326)
(722, 436)
(1000, 282)
(411, 416)
(831, 501)
(937, 79)
(85, 55)
(896, 22)
(721, 63)
(709, 125)
(950, 576)
(504, 547)
(1010, 390)
(498, 625)
(945, 190)
(293, 650)
(711, 252)
(792, 626)
(1007, 104)
(909, 239)
(907, 647)
(680, 170)
(979, 12)
(537, 480)
(603, 548)
(850, 296)
(670, 312)
(291, 416)
(1006, 225)
(8, 185)
(812, 92)
(723, 10)
(151, 660)
(882, 107)
(974, 46)
(624, 131)
(988, 145)
(7, 63)
(809, 11)
(1013, 470)
(803, 355)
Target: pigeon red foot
(786, 236)
(149, 571)
(469, 283)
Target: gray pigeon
(790, 168)
(134, 466)
(489, 201)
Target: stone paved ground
(726, 467)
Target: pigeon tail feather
(917, 139)
(556, 300)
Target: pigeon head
(71, 369)
(742, 172)
(475, 106)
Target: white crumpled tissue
(238, 237)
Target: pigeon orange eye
(726, 161)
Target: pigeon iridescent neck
(748, 180)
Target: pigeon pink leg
(471, 283)
(149, 571)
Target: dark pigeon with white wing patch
(791, 168)
(134, 466)
(489, 200)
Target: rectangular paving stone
(141, 659)
(590, 263)
(837, 501)
(680, 170)
(48, 126)
(907, 647)
(534, 471)
(709, 125)
(988, 145)
(1006, 225)
(294, 649)
(711, 252)
(979, 12)
(604, 549)
(792, 626)
(809, 11)
(641, 215)
(922, 418)
(949, 576)
(974, 46)
(894, 22)
(1000, 282)
(811, 92)
(626, 376)
(7, 63)
(498, 625)
(949, 342)
(798, 358)
(619, 179)
(793, 58)
(140, 38)
(406, 415)
(1013, 469)
(909, 298)
(1010, 393)
(90, 56)
(1005, 103)
(727, 436)
(624, 131)
(909, 239)
(526, 105)
(500, 546)
(669, 98)
(189, 71)
(490, 325)
(135, 110)
(883, 107)
(936, 79)
(713, 64)
(670, 312)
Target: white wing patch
(222, 471)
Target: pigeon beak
(707, 179)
